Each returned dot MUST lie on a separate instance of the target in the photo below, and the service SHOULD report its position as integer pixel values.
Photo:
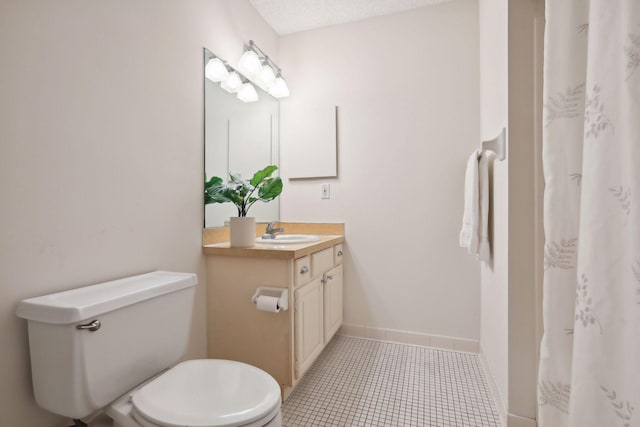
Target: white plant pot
(243, 232)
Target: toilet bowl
(113, 347)
(202, 393)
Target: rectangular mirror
(240, 137)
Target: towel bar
(497, 145)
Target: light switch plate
(326, 192)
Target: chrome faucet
(271, 232)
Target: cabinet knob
(326, 279)
(304, 269)
(339, 253)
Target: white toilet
(108, 348)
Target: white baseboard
(516, 421)
(411, 338)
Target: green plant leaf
(212, 191)
(217, 195)
(208, 199)
(236, 177)
(270, 189)
(259, 176)
(233, 195)
(213, 182)
(241, 192)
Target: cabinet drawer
(302, 270)
(321, 261)
(337, 254)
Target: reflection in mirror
(240, 137)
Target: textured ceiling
(291, 16)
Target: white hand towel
(471, 216)
(484, 248)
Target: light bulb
(249, 63)
(265, 77)
(279, 88)
(215, 70)
(232, 83)
(247, 93)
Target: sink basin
(285, 239)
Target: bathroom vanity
(286, 343)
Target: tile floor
(358, 382)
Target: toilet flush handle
(92, 326)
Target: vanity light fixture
(247, 93)
(216, 70)
(232, 83)
(279, 89)
(249, 63)
(261, 70)
(265, 77)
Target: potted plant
(243, 193)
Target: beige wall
(511, 55)
(525, 56)
(493, 117)
(101, 151)
(406, 87)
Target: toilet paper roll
(269, 304)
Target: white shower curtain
(590, 356)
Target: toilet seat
(208, 393)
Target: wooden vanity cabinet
(284, 344)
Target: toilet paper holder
(281, 293)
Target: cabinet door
(308, 325)
(332, 302)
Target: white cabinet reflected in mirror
(240, 137)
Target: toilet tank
(144, 328)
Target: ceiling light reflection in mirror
(218, 71)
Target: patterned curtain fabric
(590, 356)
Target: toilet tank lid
(81, 304)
